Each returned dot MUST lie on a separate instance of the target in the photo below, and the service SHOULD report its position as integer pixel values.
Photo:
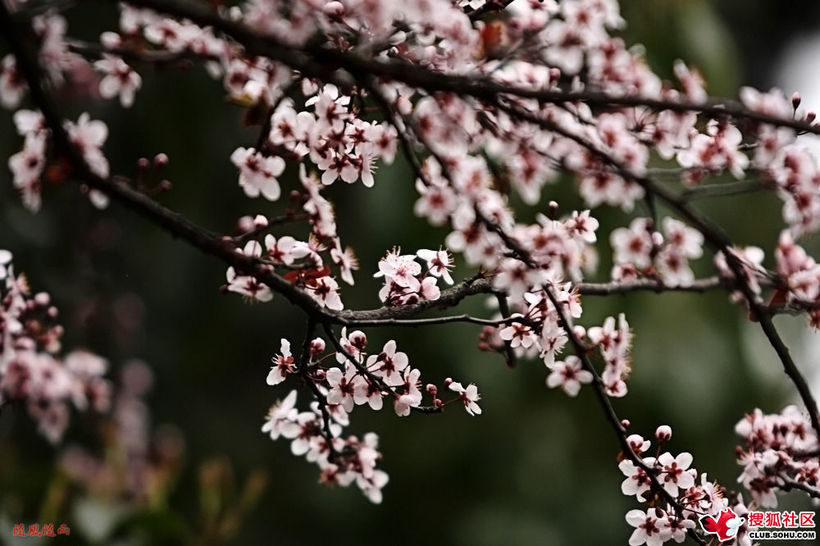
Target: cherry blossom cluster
(353, 460)
(799, 276)
(353, 378)
(404, 282)
(490, 111)
(795, 283)
(538, 331)
(330, 135)
(304, 261)
(137, 463)
(779, 453)
(676, 498)
(60, 62)
(640, 250)
(29, 165)
(781, 159)
(32, 373)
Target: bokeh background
(535, 468)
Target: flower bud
(260, 221)
(637, 443)
(244, 224)
(663, 433)
(317, 346)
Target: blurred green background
(535, 468)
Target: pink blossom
(89, 136)
(469, 397)
(651, 527)
(675, 472)
(569, 375)
(257, 173)
(12, 84)
(343, 385)
(637, 481)
(283, 364)
(389, 364)
(119, 80)
(439, 263)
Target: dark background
(535, 468)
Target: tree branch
(317, 60)
(713, 234)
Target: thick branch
(322, 62)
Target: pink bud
(431, 390)
(160, 160)
(795, 100)
(637, 443)
(447, 382)
(245, 224)
(334, 9)
(625, 423)
(143, 163)
(317, 346)
(110, 40)
(663, 433)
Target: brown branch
(317, 60)
(321, 399)
(615, 423)
(713, 234)
(789, 485)
(368, 375)
(134, 55)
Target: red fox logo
(725, 526)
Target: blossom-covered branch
(487, 111)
